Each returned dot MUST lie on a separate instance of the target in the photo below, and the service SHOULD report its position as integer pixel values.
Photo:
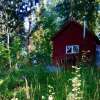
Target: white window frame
(72, 49)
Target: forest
(26, 29)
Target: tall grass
(36, 83)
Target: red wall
(72, 34)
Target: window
(75, 48)
(71, 49)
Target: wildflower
(76, 83)
(50, 90)
(49, 86)
(53, 93)
(43, 97)
(50, 97)
(73, 66)
(78, 75)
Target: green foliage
(4, 55)
(8, 19)
(78, 9)
(43, 84)
(15, 49)
(42, 46)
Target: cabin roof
(67, 25)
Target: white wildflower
(43, 97)
(50, 97)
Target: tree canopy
(44, 19)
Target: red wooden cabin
(70, 46)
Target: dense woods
(26, 29)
